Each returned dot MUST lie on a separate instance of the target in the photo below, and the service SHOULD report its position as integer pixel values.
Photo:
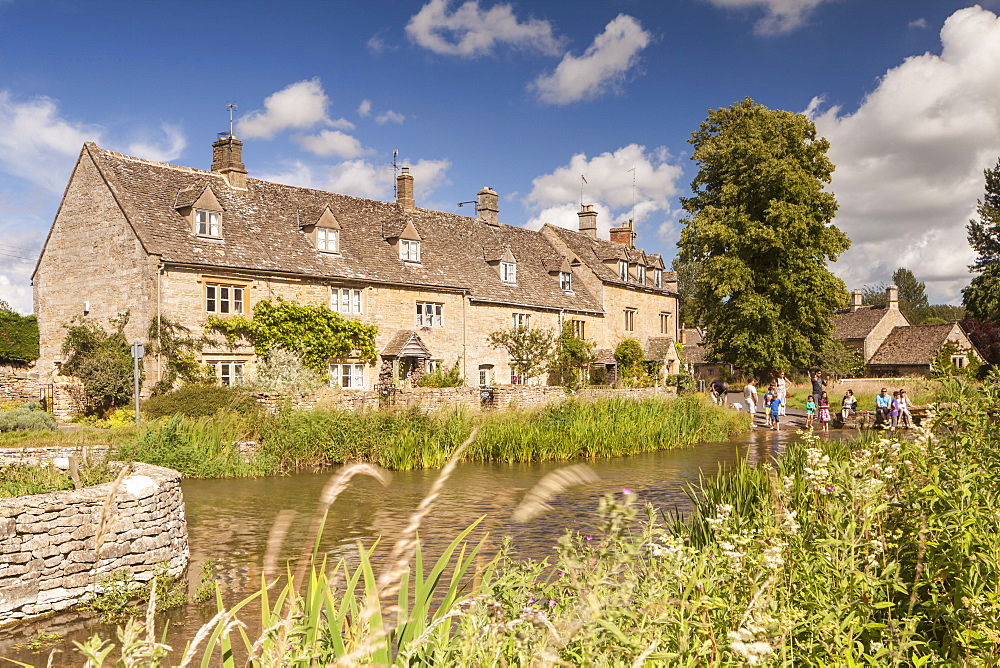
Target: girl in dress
(810, 411)
(824, 411)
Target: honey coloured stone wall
(54, 557)
(18, 383)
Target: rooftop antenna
(232, 107)
(633, 194)
(583, 179)
(395, 173)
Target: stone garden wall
(18, 383)
(53, 556)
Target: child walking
(810, 411)
(776, 405)
(824, 412)
(768, 400)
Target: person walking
(824, 411)
(781, 386)
(883, 405)
(810, 411)
(776, 413)
(768, 400)
(750, 396)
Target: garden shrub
(200, 401)
(18, 337)
(443, 377)
(25, 419)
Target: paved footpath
(794, 419)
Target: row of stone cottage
(168, 242)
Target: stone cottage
(161, 240)
(909, 351)
(865, 328)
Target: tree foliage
(687, 272)
(912, 296)
(319, 333)
(179, 350)
(572, 356)
(985, 336)
(629, 358)
(101, 360)
(443, 376)
(943, 367)
(840, 361)
(284, 371)
(982, 296)
(760, 224)
(530, 349)
(18, 337)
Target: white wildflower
(743, 643)
(789, 524)
(772, 557)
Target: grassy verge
(879, 552)
(22, 480)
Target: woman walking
(781, 387)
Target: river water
(229, 521)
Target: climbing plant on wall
(18, 336)
(319, 333)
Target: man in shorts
(750, 396)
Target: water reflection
(229, 520)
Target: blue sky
(523, 97)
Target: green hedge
(18, 337)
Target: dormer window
(327, 240)
(658, 278)
(566, 281)
(640, 274)
(206, 223)
(409, 250)
(623, 270)
(508, 272)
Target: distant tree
(4, 306)
(530, 349)
(982, 295)
(937, 313)
(912, 293)
(985, 336)
(840, 361)
(873, 295)
(687, 272)
(760, 224)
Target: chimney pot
(892, 297)
(488, 206)
(624, 235)
(588, 220)
(404, 189)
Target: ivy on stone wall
(18, 337)
(317, 332)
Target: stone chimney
(227, 159)
(681, 336)
(892, 297)
(855, 300)
(588, 220)
(488, 206)
(404, 189)
(624, 235)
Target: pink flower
(626, 491)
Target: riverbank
(879, 552)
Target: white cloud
(602, 65)
(390, 116)
(910, 159)
(37, 144)
(300, 106)
(471, 31)
(780, 16)
(332, 143)
(169, 149)
(918, 23)
(555, 197)
(363, 179)
(365, 108)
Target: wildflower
(789, 524)
(626, 491)
(552, 603)
(588, 538)
(743, 643)
(772, 557)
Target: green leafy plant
(200, 401)
(629, 357)
(179, 350)
(320, 333)
(283, 371)
(443, 376)
(943, 366)
(101, 360)
(572, 357)
(118, 594)
(18, 337)
(26, 419)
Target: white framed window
(429, 315)
(346, 300)
(623, 270)
(665, 323)
(327, 240)
(658, 278)
(522, 320)
(508, 272)
(640, 274)
(409, 250)
(431, 366)
(223, 299)
(206, 223)
(515, 379)
(228, 372)
(566, 281)
(485, 374)
(959, 361)
(579, 329)
(630, 320)
(348, 376)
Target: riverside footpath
(795, 418)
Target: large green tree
(760, 224)
(982, 296)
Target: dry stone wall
(18, 383)
(53, 557)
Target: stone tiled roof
(406, 341)
(659, 348)
(592, 252)
(856, 325)
(914, 345)
(694, 351)
(262, 231)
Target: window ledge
(329, 252)
(208, 237)
(411, 263)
